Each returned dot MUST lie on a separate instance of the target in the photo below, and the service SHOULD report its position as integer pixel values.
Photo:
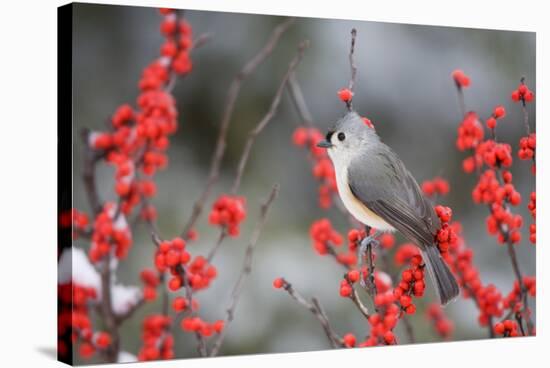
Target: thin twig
(357, 301)
(353, 68)
(299, 101)
(88, 174)
(524, 110)
(460, 97)
(107, 312)
(214, 250)
(230, 101)
(267, 117)
(314, 307)
(409, 329)
(246, 269)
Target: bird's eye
(341, 136)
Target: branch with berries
(491, 160)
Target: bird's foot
(365, 251)
(369, 240)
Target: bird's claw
(372, 240)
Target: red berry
(345, 94)
(491, 123)
(499, 328)
(349, 340)
(174, 283)
(411, 309)
(353, 276)
(278, 283)
(102, 339)
(179, 304)
(499, 112)
(345, 291)
(389, 337)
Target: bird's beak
(324, 144)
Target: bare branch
(267, 117)
(201, 40)
(214, 250)
(315, 308)
(246, 269)
(230, 101)
(299, 101)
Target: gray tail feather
(445, 282)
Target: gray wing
(380, 180)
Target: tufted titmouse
(379, 191)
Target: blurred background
(403, 85)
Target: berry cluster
(138, 137)
(493, 154)
(532, 206)
(173, 256)
(158, 342)
(109, 235)
(206, 329)
(412, 283)
(470, 132)
(228, 212)
(383, 321)
(504, 224)
(507, 328)
(489, 300)
(442, 325)
(460, 78)
(527, 147)
(436, 186)
(324, 237)
(513, 299)
(150, 281)
(446, 235)
(523, 94)
(178, 42)
(323, 170)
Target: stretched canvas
(235, 184)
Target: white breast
(355, 206)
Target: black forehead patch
(329, 135)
